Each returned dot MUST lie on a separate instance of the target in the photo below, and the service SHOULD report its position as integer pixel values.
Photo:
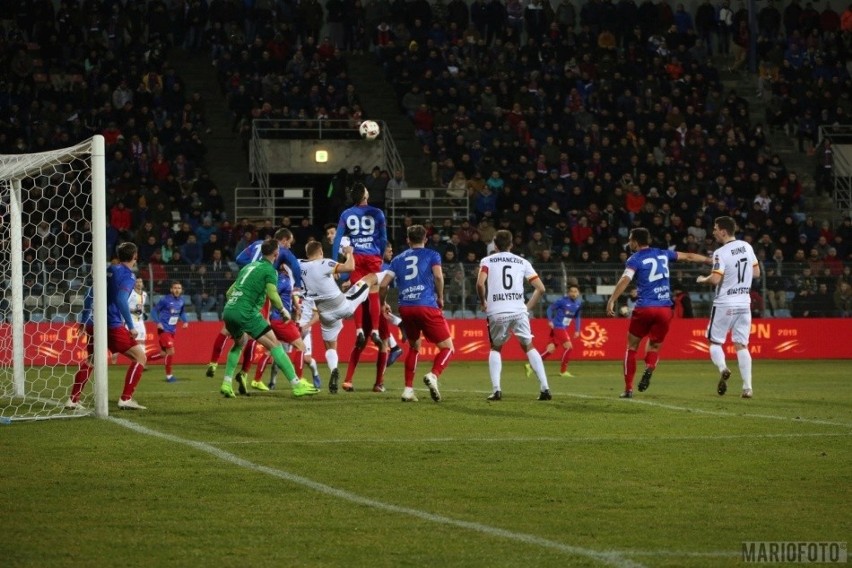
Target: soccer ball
(369, 130)
(623, 311)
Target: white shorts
(331, 321)
(141, 332)
(736, 319)
(307, 312)
(500, 327)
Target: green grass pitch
(676, 477)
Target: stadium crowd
(568, 124)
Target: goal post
(54, 247)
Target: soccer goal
(52, 249)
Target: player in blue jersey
(285, 329)
(366, 229)
(121, 332)
(168, 311)
(560, 314)
(84, 371)
(251, 254)
(649, 267)
(420, 280)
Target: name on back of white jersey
(506, 296)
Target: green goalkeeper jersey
(248, 294)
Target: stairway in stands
(785, 145)
(227, 161)
(379, 102)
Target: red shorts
(559, 336)
(119, 340)
(651, 322)
(167, 339)
(428, 321)
(286, 331)
(364, 265)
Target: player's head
(724, 228)
(503, 240)
(359, 194)
(388, 252)
(330, 231)
(269, 249)
(176, 289)
(416, 234)
(313, 249)
(573, 291)
(639, 237)
(126, 252)
(283, 236)
(139, 286)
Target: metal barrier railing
(261, 203)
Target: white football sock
(538, 366)
(394, 319)
(744, 359)
(331, 359)
(495, 367)
(717, 355)
(313, 365)
(391, 341)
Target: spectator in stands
(192, 251)
(843, 300)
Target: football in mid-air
(369, 130)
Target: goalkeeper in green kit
(255, 283)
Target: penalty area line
(605, 557)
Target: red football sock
(298, 360)
(545, 354)
(566, 356)
(81, 377)
(629, 369)
(375, 310)
(441, 361)
(169, 359)
(410, 366)
(156, 356)
(651, 358)
(131, 380)
(218, 346)
(381, 365)
(248, 352)
(354, 357)
(261, 367)
(358, 317)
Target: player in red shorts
(286, 330)
(420, 282)
(653, 312)
(169, 310)
(121, 335)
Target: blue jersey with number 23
(650, 268)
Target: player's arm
(551, 313)
(349, 264)
(295, 269)
(620, 287)
(577, 321)
(159, 309)
(438, 277)
(183, 317)
(124, 307)
(538, 292)
(384, 286)
(756, 270)
(338, 234)
(692, 257)
(381, 232)
(481, 290)
(715, 276)
(274, 297)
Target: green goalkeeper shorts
(238, 323)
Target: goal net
(52, 249)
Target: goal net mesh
(45, 270)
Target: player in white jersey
(734, 267)
(333, 305)
(138, 304)
(307, 318)
(500, 286)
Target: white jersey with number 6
(505, 283)
(735, 261)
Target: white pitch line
(608, 558)
(539, 439)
